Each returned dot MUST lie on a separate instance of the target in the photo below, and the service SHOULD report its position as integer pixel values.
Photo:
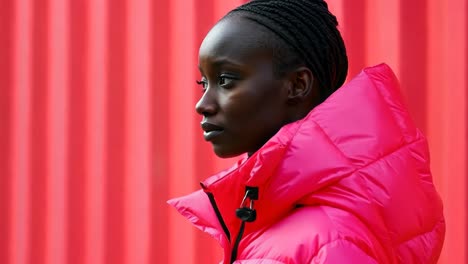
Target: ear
(301, 82)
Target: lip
(211, 130)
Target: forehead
(235, 38)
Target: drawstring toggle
(248, 214)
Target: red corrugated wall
(98, 128)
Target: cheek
(268, 100)
(259, 105)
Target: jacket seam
(343, 236)
(440, 222)
(372, 161)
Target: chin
(225, 153)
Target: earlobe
(300, 85)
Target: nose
(207, 105)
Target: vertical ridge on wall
(38, 173)
(435, 80)
(6, 95)
(76, 235)
(160, 80)
(447, 117)
(181, 153)
(96, 101)
(116, 134)
(57, 110)
(138, 132)
(21, 141)
(413, 70)
(466, 130)
(354, 34)
(383, 33)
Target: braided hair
(306, 34)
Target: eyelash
(203, 83)
(221, 81)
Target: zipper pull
(248, 214)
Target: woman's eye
(222, 80)
(225, 80)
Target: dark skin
(244, 103)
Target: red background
(98, 128)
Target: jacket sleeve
(342, 251)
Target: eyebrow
(221, 62)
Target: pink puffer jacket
(349, 183)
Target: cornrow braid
(308, 35)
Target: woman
(331, 175)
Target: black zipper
(218, 215)
(246, 214)
(236, 243)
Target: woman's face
(243, 103)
